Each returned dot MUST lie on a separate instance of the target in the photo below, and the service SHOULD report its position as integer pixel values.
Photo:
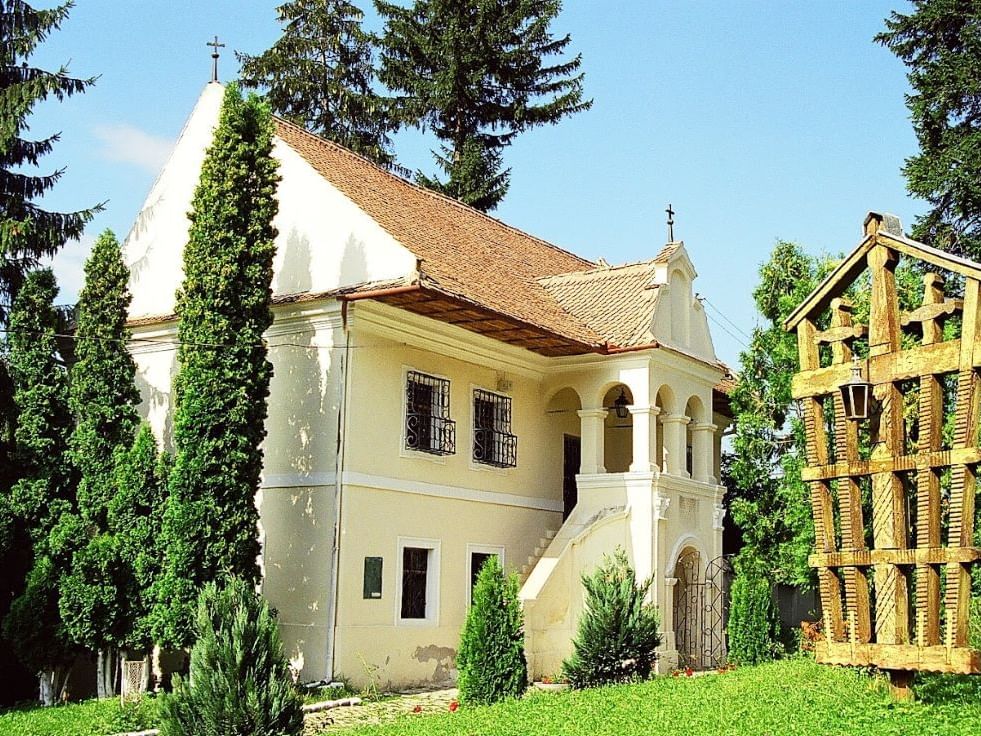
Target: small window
(428, 427)
(418, 578)
(493, 443)
(372, 578)
(477, 560)
(477, 555)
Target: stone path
(383, 711)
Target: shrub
(619, 631)
(240, 681)
(754, 627)
(492, 654)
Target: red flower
(689, 672)
(453, 706)
(417, 709)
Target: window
(418, 579)
(493, 443)
(428, 427)
(372, 578)
(477, 555)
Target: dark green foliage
(210, 523)
(619, 631)
(753, 629)
(240, 682)
(940, 42)
(135, 518)
(28, 232)
(93, 599)
(319, 75)
(491, 660)
(103, 394)
(475, 72)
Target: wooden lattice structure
(893, 509)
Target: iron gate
(701, 611)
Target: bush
(492, 654)
(619, 632)
(240, 681)
(754, 627)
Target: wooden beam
(961, 660)
(909, 556)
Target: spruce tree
(27, 231)
(42, 499)
(491, 660)
(477, 73)
(240, 681)
(210, 524)
(940, 42)
(320, 75)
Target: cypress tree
(491, 659)
(940, 43)
(210, 524)
(319, 75)
(753, 629)
(27, 231)
(43, 497)
(477, 73)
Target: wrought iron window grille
(493, 443)
(428, 427)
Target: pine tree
(940, 42)
(491, 660)
(210, 524)
(27, 231)
(319, 75)
(753, 629)
(476, 73)
(240, 681)
(44, 494)
(618, 632)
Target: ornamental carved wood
(893, 496)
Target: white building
(447, 387)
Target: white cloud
(69, 268)
(127, 143)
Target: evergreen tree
(210, 524)
(940, 42)
(476, 73)
(27, 231)
(618, 632)
(491, 659)
(240, 681)
(319, 75)
(753, 629)
(44, 494)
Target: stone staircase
(533, 559)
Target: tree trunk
(106, 672)
(156, 668)
(52, 685)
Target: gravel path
(383, 711)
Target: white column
(703, 452)
(675, 444)
(645, 439)
(592, 424)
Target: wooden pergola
(893, 512)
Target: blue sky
(756, 120)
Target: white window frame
(493, 549)
(474, 465)
(432, 581)
(419, 454)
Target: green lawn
(89, 718)
(783, 699)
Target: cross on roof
(670, 224)
(214, 57)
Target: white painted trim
(489, 549)
(400, 485)
(685, 540)
(432, 581)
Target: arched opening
(664, 401)
(618, 434)
(695, 464)
(680, 290)
(565, 445)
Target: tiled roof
(617, 302)
(463, 252)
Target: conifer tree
(44, 495)
(940, 43)
(320, 75)
(491, 659)
(476, 72)
(210, 524)
(27, 231)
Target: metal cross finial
(670, 224)
(214, 57)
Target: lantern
(620, 405)
(856, 395)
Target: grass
(88, 718)
(320, 694)
(793, 697)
